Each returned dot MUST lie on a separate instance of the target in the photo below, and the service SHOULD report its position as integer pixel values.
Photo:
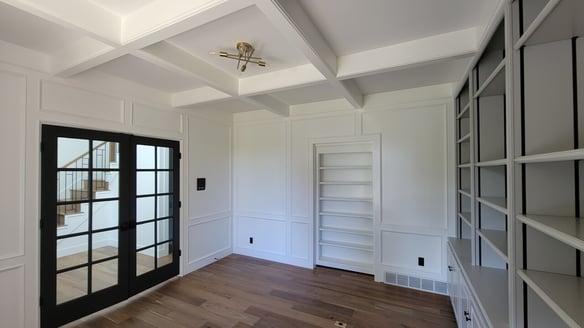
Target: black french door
(109, 219)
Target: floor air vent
(428, 285)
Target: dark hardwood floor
(240, 291)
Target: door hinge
(179, 204)
(179, 155)
(179, 252)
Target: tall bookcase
(516, 260)
(346, 199)
(548, 157)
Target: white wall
(208, 224)
(272, 189)
(29, 99)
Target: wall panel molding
(64, 99)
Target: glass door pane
(87, 217)
(154, 202)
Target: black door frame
(53, 315)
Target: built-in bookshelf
(481, 248)
(548, 159)
(345, 207)
(518, 248)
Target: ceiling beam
(140, 30)
(179, 61)
(407, 54)
(196, 96)
(270, 103)
(293, 22)
(81, 16)
(285, 79)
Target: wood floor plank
(245, 292)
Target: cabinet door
(465, 319)
(453, 283)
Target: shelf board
(465, 216)
(346, 245)
(463, 166)
(496, 203)
(497, 240)
(464, 111)
(568, 155)
(346, 264)
(558, 20)
(349, 215)
(350, 183)
(346, 167)
(348, 231)
(464, 138)
(461, 249)
(562, 293)
(569, 230)
(347, 199)
(497, 162)
(494, 85)
(465, 192)
(488, 285)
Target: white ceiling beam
(285, 79)
(408, 54)
(82, 55)
(196, 96)
(82, 16)
(153, 23)
(291, 20)
(179, 61)
(19, 56)
(166, 18)
(269, 103)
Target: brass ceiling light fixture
(244, 56)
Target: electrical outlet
(251, 240)
(420, 261)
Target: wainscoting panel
(268, 236)
(401, 250)
(152, 118)
(12, 299)
(81, 103)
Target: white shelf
(347, 167)
(496, 203)
(562, 293)
(349, 183)
(346, 245)
(569, 230)
(488, 285)
(461, 248)
(348, 215)
(347, 199)
(465, 216)
(464, 138)
(558, 20)
(494, 85)
(465, 192)
(349, 231)
(345, 264)
(497, 240)
(568, 155)
(464, 111)
(497, 162)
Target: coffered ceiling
(315, 50)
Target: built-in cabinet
(345, 200)
(520, 131)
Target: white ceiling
(316, 50)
